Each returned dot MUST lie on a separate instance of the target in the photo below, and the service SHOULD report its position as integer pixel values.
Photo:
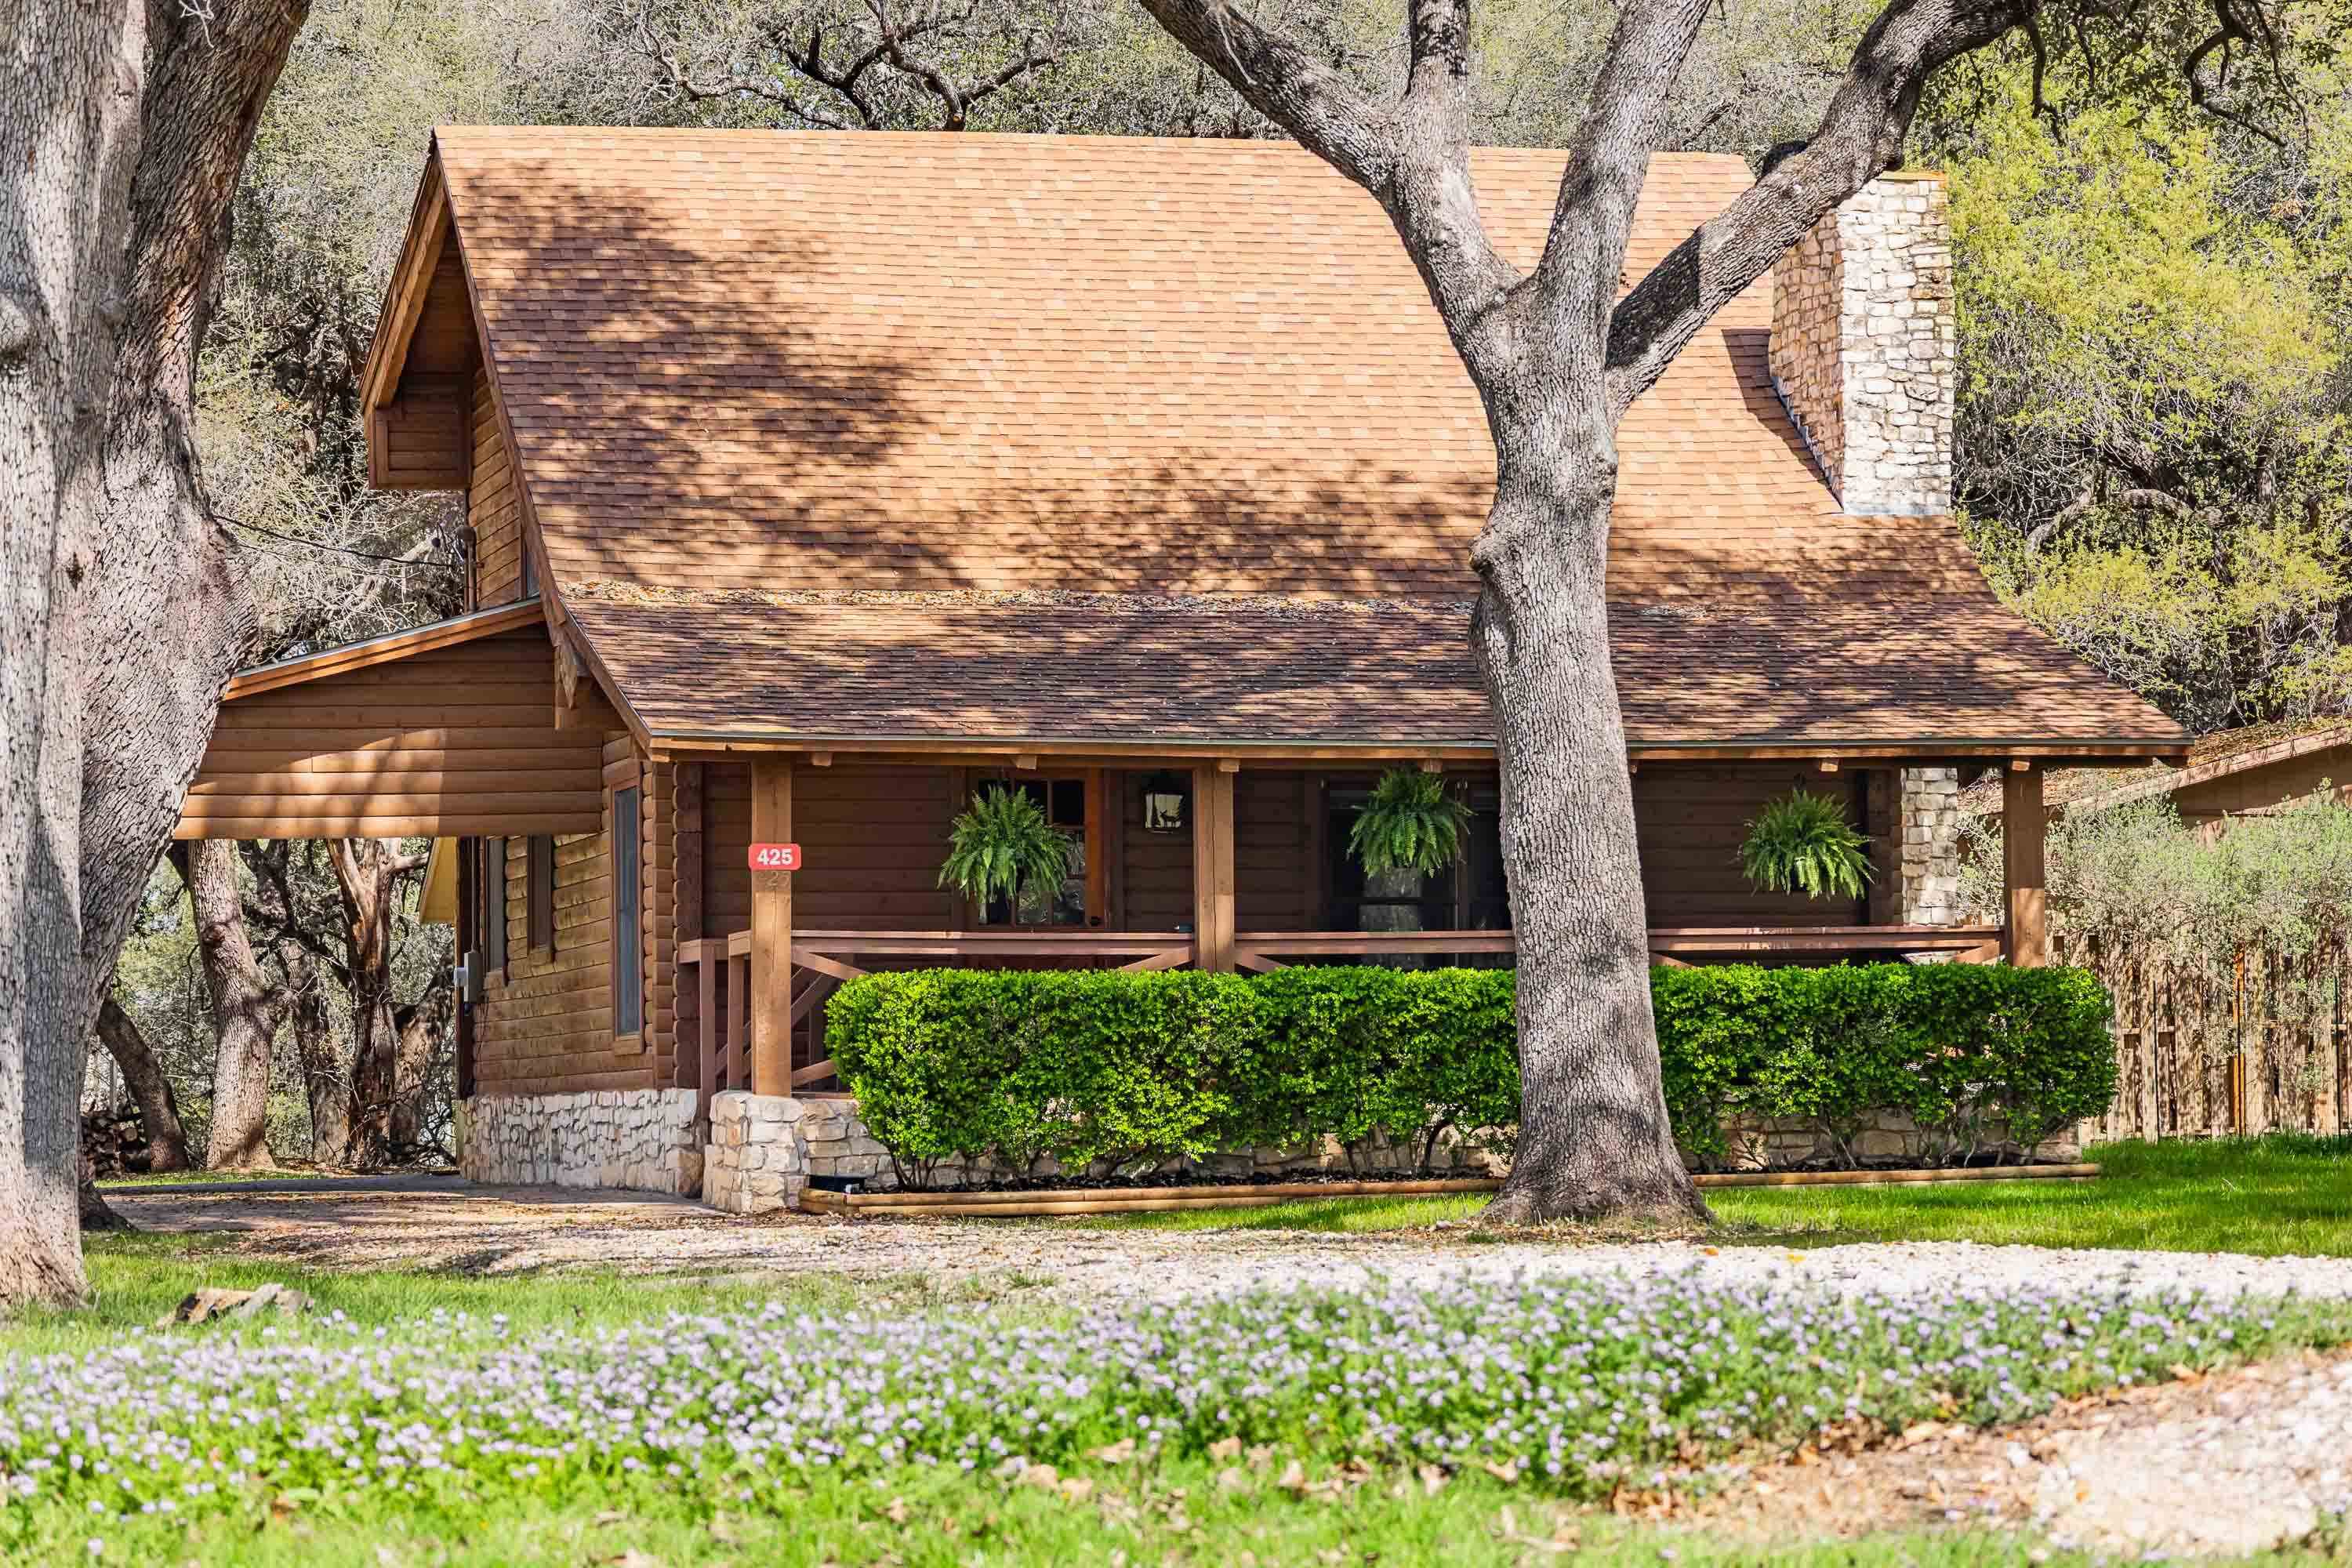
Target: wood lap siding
(1691, 821)
(493, 508)
(871, 839)
(1275, 875)
(1155, 869)
(453, 741)
(545, 1025)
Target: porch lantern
(1165, 797)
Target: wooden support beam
(771, 932)
(1431, 765)
(1212, 870)
(2024, 833)
(1829, 765)
(819, 759)
(1229, 764)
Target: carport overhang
(443, 730)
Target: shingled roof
(1003, 437)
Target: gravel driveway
(448, 1224)
(2235, 1462)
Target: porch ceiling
(1914, 674)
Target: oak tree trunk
(122, 129)
(159, 1108)
(423, 1025)
(1594, 1139)
(247, 1007)
(369, 873)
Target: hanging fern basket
(1002, 843)
(1804, 844)
(1410, 823)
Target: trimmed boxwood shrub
(1106, 1067)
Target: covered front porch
(1250, 872)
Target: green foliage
(1002, 843)
(2132, 890)
(1805, 844)
(2155, 338)
(1409, 824)
(1094, 1068)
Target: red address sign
(775, 857)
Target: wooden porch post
(771, 1000)
(2025, 828)
(1212, 870)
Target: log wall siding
(453, 741)
(545, 1025)
(1691, 821)
(493, 506)
(1276, 879)
(872, 838)
(1155, 869)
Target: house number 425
(775, 857)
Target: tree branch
(1860, 138)
(1322, 109)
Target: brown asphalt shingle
(819, 363)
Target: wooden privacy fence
(2258, 1043)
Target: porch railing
(720, 970)
(717, 970)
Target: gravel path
(2239, 1462)
(506, 1229)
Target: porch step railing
(720, 969)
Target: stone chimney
(1862, 349)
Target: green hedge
(1107, 1066)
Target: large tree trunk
(1593, 1135)
(424, 1025)
(159, 1108)
(246, 1008)
(368, 872)
(122, 128)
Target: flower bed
(1575, 1387)
(996, 1075)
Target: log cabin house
(816, 479)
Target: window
(494, 905)
(1468, 896)
(629, 942)
(539, 894)
(1064, 801)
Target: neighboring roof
(2223, 755)
(1241, 672)
(840, 363)
(383, 649)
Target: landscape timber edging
(970, 1205)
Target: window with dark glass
(539, 893)
(494, 904)
(628, 944)
(1469, 895)
(1064, 802)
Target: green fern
(1805, 845)
(1001, 844)
(1409, 824)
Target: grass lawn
(571, 1419)
(2272, 1195)
(1185, 1517)
(206, 1178)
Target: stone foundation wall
(1889, 1137)
(766, 1149)
(757, 1158)
(640, 1138)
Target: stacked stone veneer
(1914, 826)
(1863, 349)
(642, 1138)
(765, 1149)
